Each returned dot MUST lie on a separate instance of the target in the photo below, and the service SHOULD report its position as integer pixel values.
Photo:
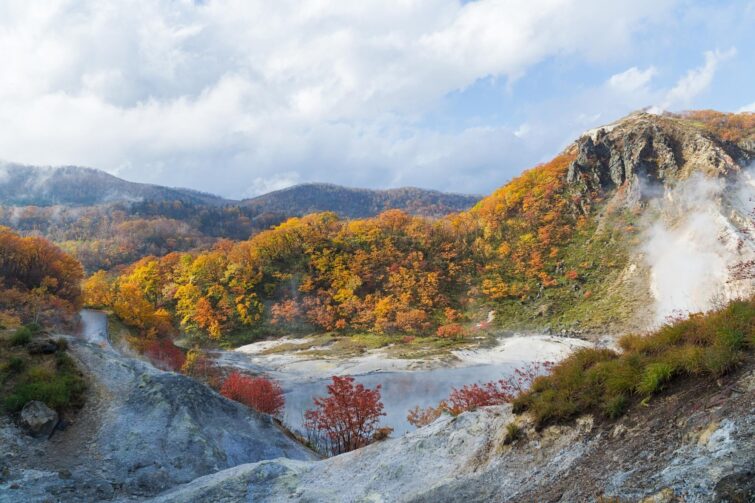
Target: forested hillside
(556, 245)
(359, 203)
(106, 222)
(39, 283)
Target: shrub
(21, 337)
(59, 390)
(422, 417)
(164, 354)
(16, 365)
(199, 366)
(451, 331)
(513, 433)
(615, 406)
(346, 419)
(34, 327)
(654, 376)
(600, 380)
(62, 343)
(381, 434)
(259, 393)
(471, 396)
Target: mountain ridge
(355, 202)
(25, 185)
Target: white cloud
(748, 108)
(632, 80)
(697, 80)
(223, 95)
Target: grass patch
(607, 382)
(21, 337)
(50, 378)
(513, 433)
(336, 345)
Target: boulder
(45, 346)
(38, 419)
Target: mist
(703, 229)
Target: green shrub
(59, 389)
(16, 365)
(62, 343)
(653, 377)
(21, 337)
(602, 381)
(615, 406)
(513, 433)
(34, 327)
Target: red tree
(259, 393)
(346, 419)
(472, 396)
(164, 354)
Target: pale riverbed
(405, 383)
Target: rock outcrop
(38, 419)
(141, 431)
(644, 150)
(694, 444)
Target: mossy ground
(50, 378)
(334, 345)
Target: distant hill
(359, 203)
(76, 186)
(22, 185)
(106, 221)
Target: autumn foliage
(164, 354)
(258, 393)
(347, 419)
(391, 274)
(451, 331)
(472, 396)
(38, 281)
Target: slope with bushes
(607, 382)
(558, 246)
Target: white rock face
(678, 447)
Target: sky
(240, 97)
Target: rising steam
(701, 233)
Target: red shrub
(472, 396)
(346, 419)
(259, 393)
(422, 417)
(164, 354)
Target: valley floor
(694, 443)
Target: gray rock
(38, 419)
(44, 346)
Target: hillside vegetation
(39, 287)
(349, 202)
(39, 282)
(107, 222)
(551, 247)
(606, 382)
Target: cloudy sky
(239, 97)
